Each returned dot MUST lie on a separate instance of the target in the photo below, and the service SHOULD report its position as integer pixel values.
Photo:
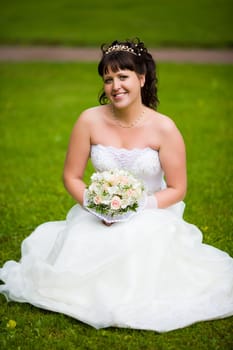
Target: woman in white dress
(149, 272)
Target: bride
(150, 272)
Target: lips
(119, 94)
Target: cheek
(136, 86)
(106, 89)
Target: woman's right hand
(107, 223)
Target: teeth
(122, 93)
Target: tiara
(118, 47)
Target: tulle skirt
(152, 272)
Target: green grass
(38, 105)
(205, 23)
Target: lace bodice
(143, 163)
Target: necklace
(131, 125)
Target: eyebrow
(119, 72)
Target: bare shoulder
(164, 129)
(164, 123)
(90, 115)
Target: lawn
(39, 103)
(199, 23)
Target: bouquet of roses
(114, 195)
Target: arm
(173, 161)
(77, 157)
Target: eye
(107, 80)
(123, 77)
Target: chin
(121, 104)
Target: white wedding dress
(152, 272)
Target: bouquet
(114, 195)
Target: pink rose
(97, 200)
(115, 203)
(130, 192)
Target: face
(123, 87)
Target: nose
(116, 84)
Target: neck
(128, 114)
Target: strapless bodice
(143, 163)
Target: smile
(119, 94)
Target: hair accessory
(119, 47)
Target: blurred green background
(199, 23)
